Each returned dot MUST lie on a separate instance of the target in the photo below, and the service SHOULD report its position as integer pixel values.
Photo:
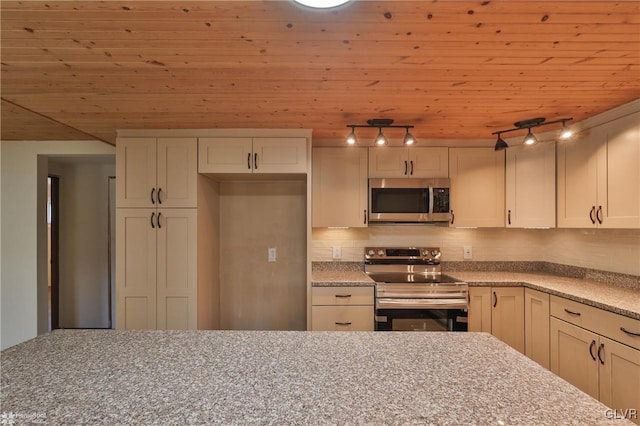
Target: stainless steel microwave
(409, 200)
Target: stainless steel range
(412, 293)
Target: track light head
(408, 138)
(500, 144)
(566, 132)
(351, 139)
(381, 139)
(529, 139)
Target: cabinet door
(573, 355)
(177, 290)
(536, 326)
(136, 269)
(619, 376)
(477, 187)
(577, 179)
(177, 172)
(385, 162)
(531, 186)
(339, 187)
(342, 318)
(136, 172)
(479, 309)
(280, 155)
(507, 317)
(429, 162)
(225, 155)
(619, 174)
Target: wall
(254, 293)
(605, 249)
(23, 265)
(84, 244)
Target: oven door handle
(401, 303)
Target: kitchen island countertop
(271, 377)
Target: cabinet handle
(249, 161)
(598, 215)
(495, 299)
(153, 195)
(153, 215)
(593, 210)
(159, 223)
(255, 161)
(591, 346)
(572, 312)
(343, 323)
(343, 295)
(405, 167)
(509, 217)
(600, 349)
(453, 217)
(629, 332)
(365, 217)
(411, 167)
(159, 195)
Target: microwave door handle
(430, 200)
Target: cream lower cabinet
(339, 187)
(156, 269)
(584, 353)
(477, 187)
(499, 311)
(536, 326)
(342, 309)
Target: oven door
(421, 320)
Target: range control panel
(399, 253)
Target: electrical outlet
(337, 252)
(467, 252)
(271, 254)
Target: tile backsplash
(603, 249)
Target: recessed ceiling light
(322, 4)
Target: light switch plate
(337, 252)
(271, 254)
(467, 253)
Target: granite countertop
(280, 377)
(621, 300)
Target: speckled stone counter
(621, 300)
(267, 377)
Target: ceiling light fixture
(381, 139)
(529, 124)
(321, 4)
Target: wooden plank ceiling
(455, 69)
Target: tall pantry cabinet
(156, 233)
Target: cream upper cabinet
(531, 186)
(339, 187)
(477, 187)
(424, 162)
(156, 172)
(599, 177)
(252, 155)
(156, 268)
(536, 326)
(499, 311)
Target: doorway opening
(53, 231)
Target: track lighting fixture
(529, 124)
(351, 139)
(381, 139)
(322, 4)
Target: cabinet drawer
(342, 318)
(605, 323)
(342, 296)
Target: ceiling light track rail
(529, 124)
(381, 123)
